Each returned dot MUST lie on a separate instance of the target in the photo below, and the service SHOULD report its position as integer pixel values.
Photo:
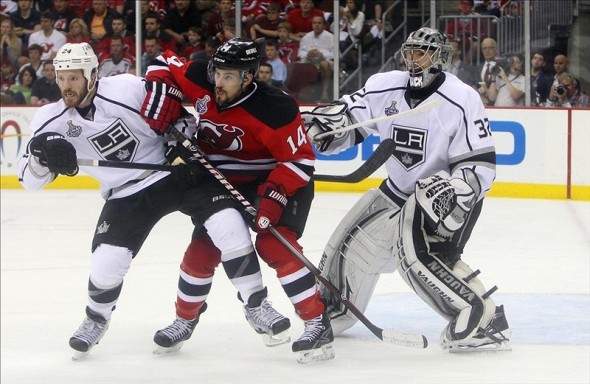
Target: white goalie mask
(77, 56)
(426, 52)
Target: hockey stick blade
(185, 142)
(406, 339)
(419, 109)
(377, 159)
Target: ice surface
(536, 251)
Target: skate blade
(79, 355)
(492, 347)
(325, 352)
(274, 340)
(159, 350)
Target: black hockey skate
(88, 334)
(266, 320)
(171, 338)
(495, 337)
(316, 342)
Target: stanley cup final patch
(410, 145)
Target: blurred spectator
(7, 76)
(279, 68)
(152, 27)
(206, 8)
(351, 25)
(540, 81)
(265, 73)
(48, 38)
(567, 93)
(265, 26)
(119, 28)
(317, 48)
(229, 30)
(464, 71)
(99, 21)
(217, 19)
(21, 91)
(7, 6)
(211, 46)
(26, 20)
(561, 64)
(179, 19)
(10, 44)
(489, 50)
(508, 87)
(78, 32)
(147, 7)
(45, 89)
(301, 18)
(251, 9)
(62, 16)
(33, 60)
(288, 47)
(466, 31)
(195, 42)
(117, 61)
(485, 8)
(151, 51)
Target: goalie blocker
(423, 241)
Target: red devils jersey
(260, 136)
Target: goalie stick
(389, 336)
(380, 156)
(377, 159)
(419, 109)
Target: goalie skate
(88, 334)
(315, 344)
(495, 337)
(171, 338)
(266, 320)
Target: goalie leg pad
(358, 251)
(453, 292)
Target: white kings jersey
(453, 135)
(112, 129)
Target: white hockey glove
(445, 202)
(327, 118)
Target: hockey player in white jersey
(420, 218)
(100, 120)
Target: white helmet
(76, 56)
(433, 43)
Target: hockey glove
(187, 169)
(326, 119)
(55, 153)
(273, 200)
(445, 202)
(162, 105)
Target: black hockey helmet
(238, 54)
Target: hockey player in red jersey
(253, 134)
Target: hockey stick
(124, 164)
(389, 336)
(418, 109)
(380, 156)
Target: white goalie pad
(455, 293)
(358, 251)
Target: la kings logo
(410, 145)
(116, 142)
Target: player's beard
(221, 97)
(72, 99)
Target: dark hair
(47, 15)
(31, 71)
(265, 64)
(272, 43)
(35, 47)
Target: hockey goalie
(420, 218)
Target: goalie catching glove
(327, 119)
(273, 199)
(55, 153)
(445, 202)
(162, 105)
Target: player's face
(72, 85)
(420, 59)
(228, 85)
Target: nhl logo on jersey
(391, 110)
(410, 145)
(201, 104)
(73, 130)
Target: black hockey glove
(187, 168)
(55, 153)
